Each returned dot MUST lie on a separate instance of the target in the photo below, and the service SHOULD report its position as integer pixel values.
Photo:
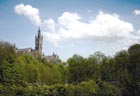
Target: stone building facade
(38, 50)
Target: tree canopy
(96, 75)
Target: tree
(122, 61)
(107, 70)
(106, 89)
(6, 51)
(76, 69)
(92, 67)
(99, 57)
(9, 73)
(134, 70)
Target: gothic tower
(38, 42)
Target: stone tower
(38, 42)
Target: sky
(71, 26)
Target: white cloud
(52, 38)
(49, 24)
(136, 12)
(105, 27)
(138, 32)
(30, 12)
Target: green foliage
(92, 68)
(96, 75)
(106, 89)
(6, 52)
(88, 88)
(35, 71)
(133, 87)
(9, 74)
(107, 70)
(76, 68)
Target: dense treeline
(97, 75)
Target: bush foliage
(97, 75)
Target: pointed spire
(39, 29)
(39, 32)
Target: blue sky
(71, 26)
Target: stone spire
(38, 42)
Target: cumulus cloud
(49, 24)
(29, 12)
(136, 12)
(104, 27)
(138, 32)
